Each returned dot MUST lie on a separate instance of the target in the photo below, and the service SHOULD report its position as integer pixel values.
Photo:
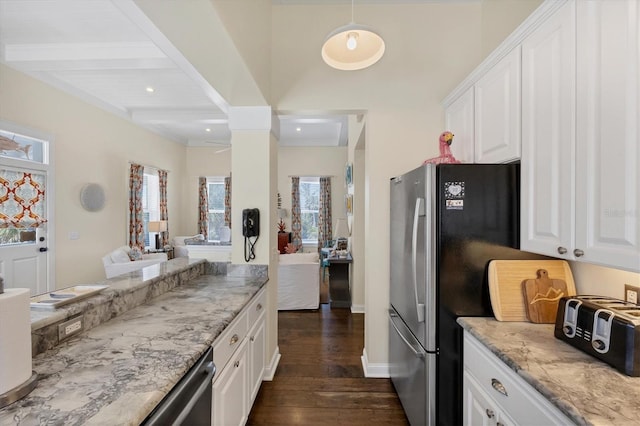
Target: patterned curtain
(324, 212)
(136, 219)
(296, 223)
(203, 208)
(22, 200)
(164, 212)
(227, 201)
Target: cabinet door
(256, 354)
(230, 391)
(459, 121)
(608, 133)
(497, 112)
(548, 136)
(478, 410)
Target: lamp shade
(341, 228)
(352, 47)
(158, 226)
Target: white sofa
(118, 262)
(179, 246)
(298, 281)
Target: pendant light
(352, 47)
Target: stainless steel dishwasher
(189, 402)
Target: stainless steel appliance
(604, 327)
(189, 402)
(447, 223)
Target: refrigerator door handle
(417, 352)
(418, 211)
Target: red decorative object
(445, 157)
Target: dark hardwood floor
(319, 380)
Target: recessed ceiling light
(298, 129)
(207, 130)
(150, 89)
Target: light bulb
(352, 41)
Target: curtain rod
(148, 165)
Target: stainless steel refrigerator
(447, 223)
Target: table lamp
(158, 227)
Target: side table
(339, 281)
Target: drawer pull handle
(499, 386)
(236, 364)
(578, 253)
(252, 338)
(499, 424)
(234, 340)
(259, 306)
(490, 413)
(562, 250)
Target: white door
(25, 219)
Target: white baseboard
(357, 309)
(270, 370)
(380, 370)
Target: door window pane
(215, 192)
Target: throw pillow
(290, 248)
(120, 255)
(135, 253)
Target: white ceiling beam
(160, 115)
(81, 51)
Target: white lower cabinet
(231, 391)
(495, 395)
(239, 356)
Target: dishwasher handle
(180, 401)
(210, 371)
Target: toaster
(604, 327)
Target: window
(150, 204)
(309, 204)
(215, 193)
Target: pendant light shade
(352, 47)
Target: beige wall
(430, 49)
(312, 161)
(90, 145)
(205, 162)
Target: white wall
(90, 145)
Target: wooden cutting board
(505, 284)
(541, 296)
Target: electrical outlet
(71, 327)
(631, 293)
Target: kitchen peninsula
(117, 372)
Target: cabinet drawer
(520, 400)
(257, 307)
(230, 339)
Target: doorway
(25, 210)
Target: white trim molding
(270, 370)
(379, 371)
(357, 309)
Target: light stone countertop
(117, 372)
(584, 388)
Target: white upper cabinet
(459, 121)
(497, 111)
(581, 134)
(608, 133)
(548, 136)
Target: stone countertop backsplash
(116, 373)
(585, 389)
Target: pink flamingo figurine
(445, 157)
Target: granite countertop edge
(585, 389)
(117, 372)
